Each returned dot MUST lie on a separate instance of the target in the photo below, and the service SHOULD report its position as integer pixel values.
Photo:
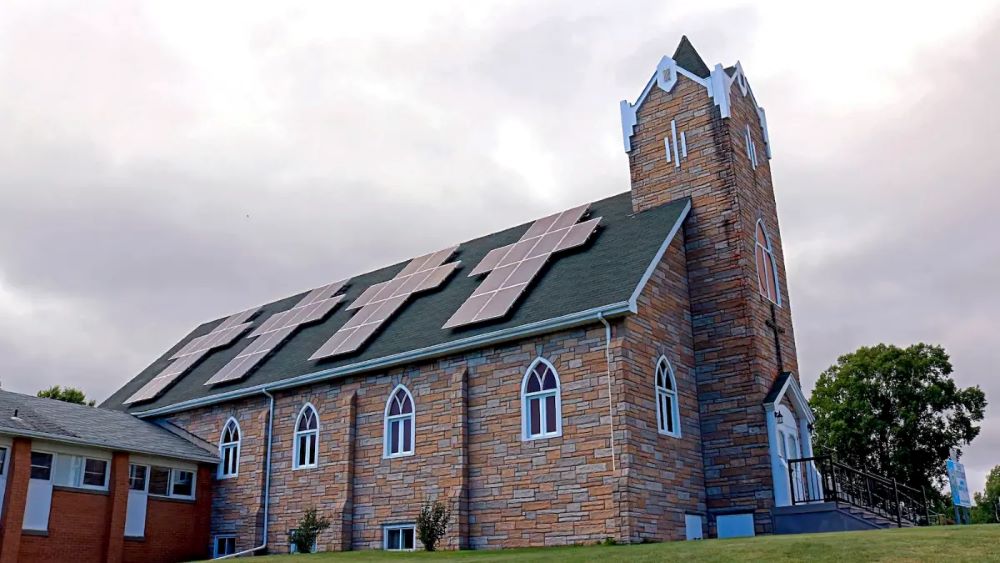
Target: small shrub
(610, 541)
(309, 527)
(432, 523)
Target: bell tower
(698, 132)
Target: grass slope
(944, 543)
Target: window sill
(40, 533)
(397, 456)
(669, 434)
(313, 466)
(541, 437)
(182, 500)
(137, 539)
(226, 477)
(86, 491)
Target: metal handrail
(822, 478)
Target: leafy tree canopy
(896, 412)
(988, 502)
(68, 394)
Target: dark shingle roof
(103, 428)
(603, 272)
(688, 58)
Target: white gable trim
(718, 87)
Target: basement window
(398, 537)
(225, 545)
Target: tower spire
(688, 58)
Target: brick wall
(503, 491)
(664, 474)
(86, 525)
(734, 354)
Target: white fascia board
(19, 433)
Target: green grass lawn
(939, 543)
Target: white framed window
(399, 537)
(171, 482)
(41, 465)
(767, 267)
(541, 402)
(306, 438)
(225, 545)
(229, 450)
(668, 417)
(138, 477)
(400, 427)
(81, 472)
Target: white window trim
(386, 420)
(221, 473)
(145, 488)
(526, 435)
(299, 433)
(769, 253)
(173, 475)
(672, 396)
(78, 472)
(385, 535)
(170, 482)
(215, 544)
(52, 465)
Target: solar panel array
(192, 352)
(381, 300)
(512, 267)
(314, 307)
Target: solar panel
(380, 301)
(512, 268)
(191, 353)
(315, 306)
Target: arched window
(668, 417)
(541, 409)
(399, 424)
(229, 450)
(306, 438)
(767, 268)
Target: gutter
(266, 501)
(17, 433)
(477, 341)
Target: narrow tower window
(399, 423)
(668, 418)
(767, 268)
(541, 409)
(229, 450)
(306, 438)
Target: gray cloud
(157, 175)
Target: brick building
(622, 369)
(85, 484)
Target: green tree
(895, 412)
(69, 395)
(988, 502)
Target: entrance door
(798, 469)
(138, 492)
(787, 442)
(36, 510)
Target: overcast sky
(167, 163)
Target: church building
(625, 368)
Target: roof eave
(18, 433)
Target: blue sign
(959, 486)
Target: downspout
(611, 408)
(267, 479)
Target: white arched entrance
(789, 439)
